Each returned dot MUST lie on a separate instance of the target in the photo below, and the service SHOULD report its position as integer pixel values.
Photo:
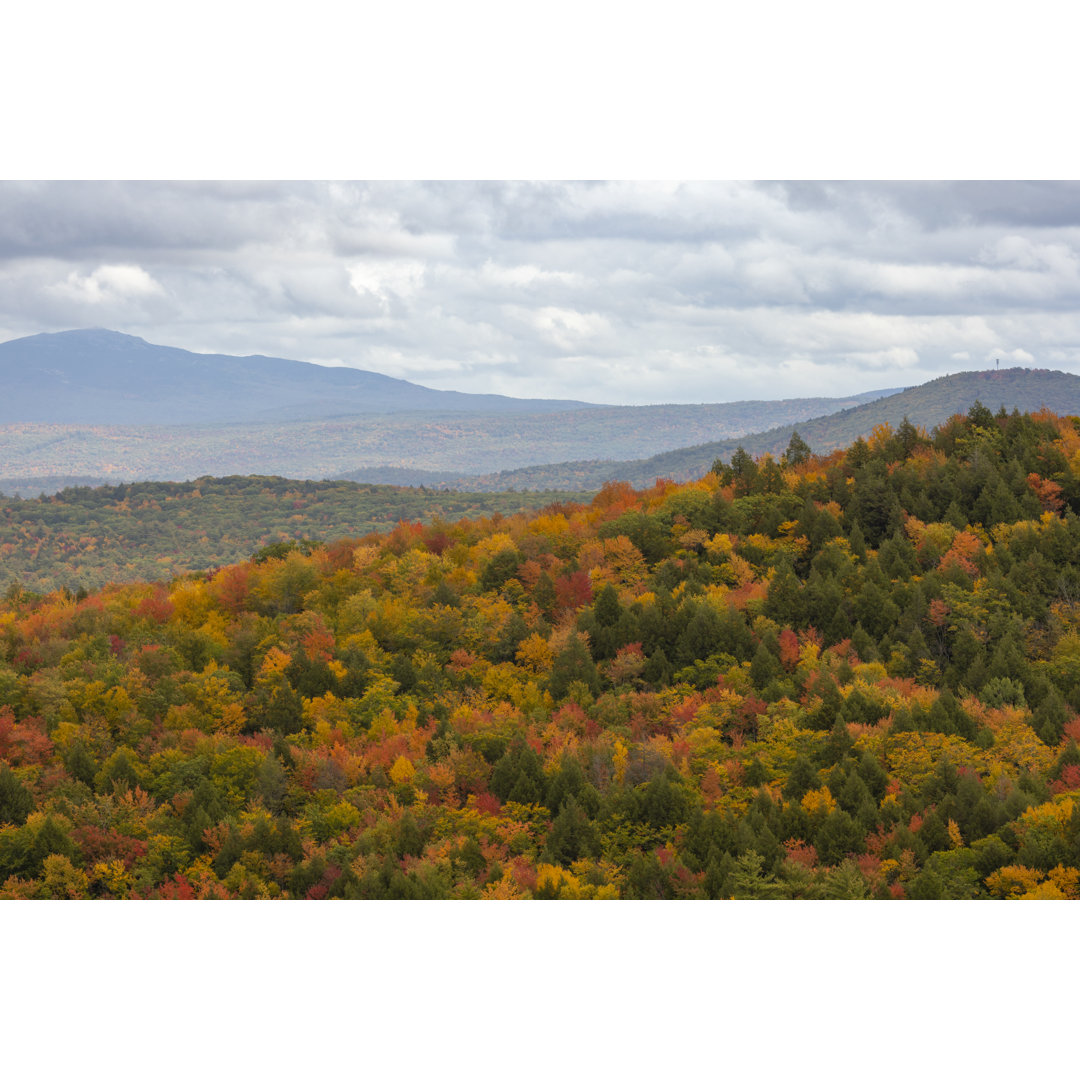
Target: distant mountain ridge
(393, 448)
(928, 405)
(220, 415)
(105, 377)
(98, 406)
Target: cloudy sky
(628, 293)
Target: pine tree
(519, 775)
(764, 667)
(284, 711)
(606, 606)
(798, 451)
(566, 783)
(785, 600)
(1050, 718)
(572, 835)
(744, 471)
(748, 881)
(16, 802)
(573, 664)
(80, 764)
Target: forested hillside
(84, 538)
(846, 676)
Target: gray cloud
(620, 292)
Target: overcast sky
(622, 293)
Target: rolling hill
(925, 406)
(87, 537)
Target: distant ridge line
(927, 405)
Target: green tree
(16, 803)
(519, 775)
(764, 667)
(744, 470)
(573, 664)
(748, 881)
(663, 803)
(23, 850)
(572, 835)
(798, 451)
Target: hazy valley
(401, 432)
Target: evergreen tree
(907, 437)
(858, 454)
(857, 542)
(785, 601)
(80, 763)
(572, 835)
(566, 783)
(846, 883)
(803, 777)
(837, 837)
(16, 802)
(573, 664)
(519, 775)
(798, 451)
(750, 881)
(663, 802)
(118, 770)
(764, 667)
(606, 606)
(744, 471)
(1050, 718)
(863, 644)
(658, 669)
(543, 594)
(500, 569)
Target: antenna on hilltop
(998, 363)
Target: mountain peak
(85, 334)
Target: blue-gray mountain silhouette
(104, 377)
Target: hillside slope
(84, 538)
(855, 678)
(926, 406)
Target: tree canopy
(837, 677)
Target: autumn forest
(853, 676)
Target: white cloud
(896, 357)
(525, 274)
(564, 328)
(1025, 253)
(1021, 357)
(109, 283)
(387, 279)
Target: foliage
(852, 676)
(84, 538)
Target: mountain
(104, 377)
(927, 406)
(95, 403)
(108, 407)
(391, 448)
